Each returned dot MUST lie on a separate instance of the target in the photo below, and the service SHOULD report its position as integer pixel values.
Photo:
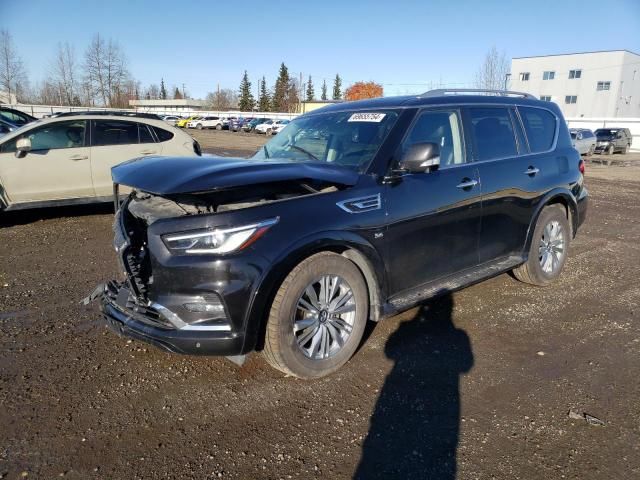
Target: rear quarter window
(162, 134)
(540, 127)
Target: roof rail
(454, 91)
(108, 112)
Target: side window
(441, 127)
(114, 132)
(493, 132)
(540, 127)
(162, 134)
(52, 136)
(145, 134)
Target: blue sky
(407, 46)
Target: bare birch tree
(65, 76)
(106, 71)
(12, 73)
(493, 71)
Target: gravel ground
(477, 385)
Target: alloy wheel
(324, 317)
(551, 250)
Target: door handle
(531, 171)
(75, 158)
(467, 183)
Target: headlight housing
(219, 240)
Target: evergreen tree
(177, 95)
(323, 96)
(246, 101)
(310, 92)
(279, 102)
(163, 90)
(337, 88)
(264, 102)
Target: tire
(199, 126)
(313, 351)
(591, 150)
(218, 127)
(539, 269)
(625, 150)
(611, 150)
(268, 132)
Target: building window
(548, 75)
(524, 76)
(570, 99)
(545, 98)
(575, 74)
(603, 86)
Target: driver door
(57, 167)
(434, 217)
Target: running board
(410, 298)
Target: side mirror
(23, 146)
(421, 157)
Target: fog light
(198, 307)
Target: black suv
(354, 212)
(612, 140)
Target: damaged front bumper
(156, 324)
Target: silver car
(583, 140)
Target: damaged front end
(189, 269)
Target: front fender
(288, 258)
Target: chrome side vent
(361, 204)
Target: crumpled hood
(173, 175)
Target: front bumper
(161, 327)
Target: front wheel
(549, 247)
(199, 126)
(317, 317)
(611, 150)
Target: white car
(68, 159)
(270, 126)
(280, 124)
(206, 122)
(583, 140)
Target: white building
(589, 84)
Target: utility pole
(184, 95)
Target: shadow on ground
(415, 425)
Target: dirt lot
(473, 386)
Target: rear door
(434, 218)
(57, 167)
(113, 142)
(516, 172)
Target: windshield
(605, 132)
(349, 139)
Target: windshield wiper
(305, 152)
(266, 152)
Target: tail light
(581, 166)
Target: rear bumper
(143, 326)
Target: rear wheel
(625, 150)
(317, 317)
(549, 247)
(218, 127)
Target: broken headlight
(219, 240)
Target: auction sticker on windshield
(367, 117)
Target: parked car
(612, 140)
(67, 160)
(16, 117)
(182, 123)
(584, 140)
(236, 124)
(270, 126)
(251, 125)
(279, 126)
(293, 250)
(6, 127)
(171, 119)
(206, 122)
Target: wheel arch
(350, 246)
(555, 197)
